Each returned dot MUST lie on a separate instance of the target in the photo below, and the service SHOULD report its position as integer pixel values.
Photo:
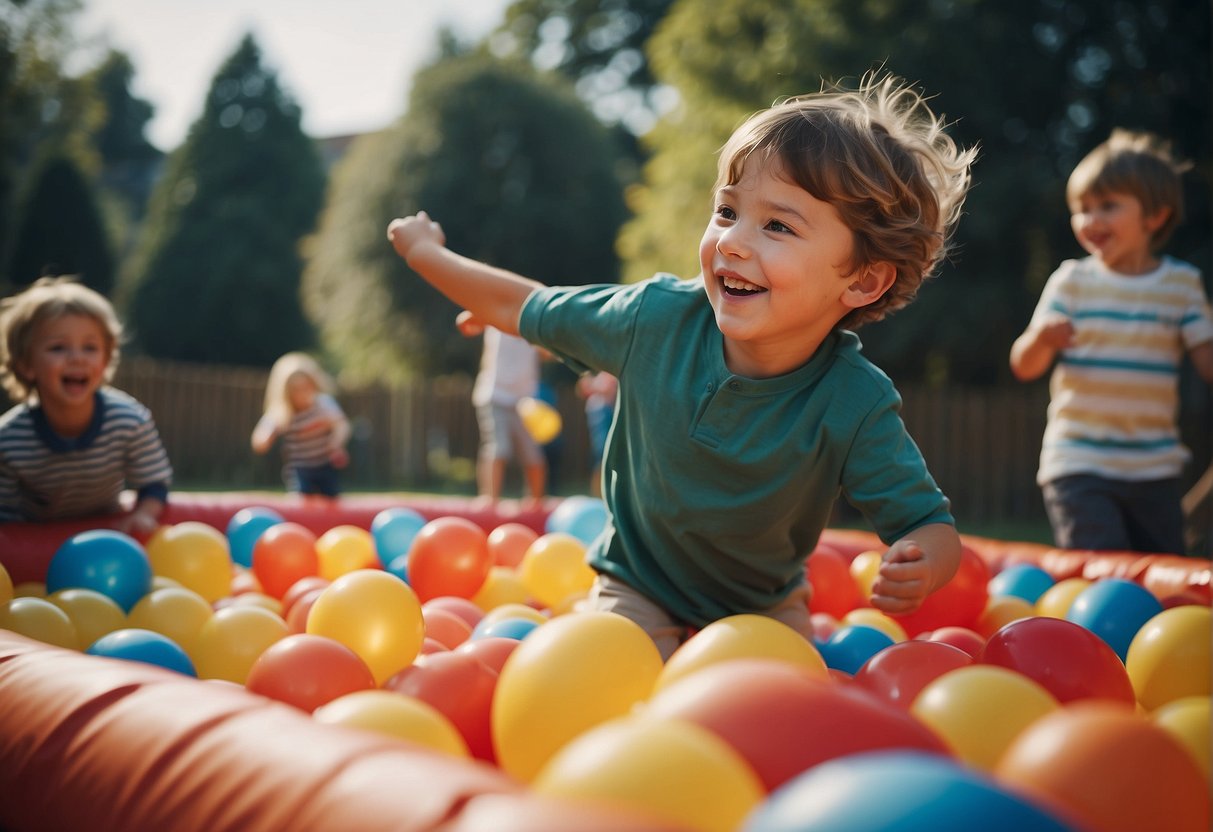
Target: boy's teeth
(734, 283)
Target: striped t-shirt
(308, 439)
(44, 476)
(1115, 392)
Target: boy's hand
(468, 324)
(339, 457)
(1057, 334)
(408, 232)
(139, 525)
(904, 578)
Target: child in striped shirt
(73, 443)
(1118, 324)
(300, 408)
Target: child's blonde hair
(1138, 164)
(880, 156)
(277, 400)
(46, 299)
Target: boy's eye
(725, 212)
(776, 225)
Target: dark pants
(321, 479)
(1090, 512)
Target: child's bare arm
(264, 434)
(1033, 352)
(1202, 360)
(494, 296)
(915, 566)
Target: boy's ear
(1158, 219)
(869, 284)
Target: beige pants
(613, 595)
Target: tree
(217, 273)
(1035, 84)
(516, 170)
(128, 159)
(60, 230)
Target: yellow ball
(554, 568)
(1188, 720)
(172, 611)
(743, 636)
(395, 715)
(1171, 656)
(1000, 611)
(501, 586)
(375, 614)
(233, 639)
(194, 555)
(512, 610)
(978, 711)
(864, 570)
(343, 549)
(1057, 599)
(877, 620)
(30, 589)
(674, 770)
(570, 674)
(39, 619)
(92, 613)
(541, 420)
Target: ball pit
(386, 709)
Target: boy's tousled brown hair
(46, 299)
(882, 158)
(1138, 164)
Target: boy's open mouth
(738, 288)
(75, 383)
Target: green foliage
(217, 275)
(128, 159)
(515, 169)
(1034, 84)
(60, 230)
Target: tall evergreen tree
(217, 273)
(518, 172)
(128, 159)
(60, 229)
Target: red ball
(834, 589)
(961, 638)
(462, 607)
(897, 673)
(300, 588)
(461, 687)
(296, 616)
(449, 556)
(308, 671)
(445, 627)
(959, 602)
(491, 650)
(509, 542)
(1066, 659)
(283, 554)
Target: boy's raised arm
(494, 296)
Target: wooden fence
(982, 444)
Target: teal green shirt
(718, 486)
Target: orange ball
(509, 542)
(282, 555)
(449, 556)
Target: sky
(347, 63)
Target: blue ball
(1114, 609)
(849, 648)
(244, 530)
(1022, 580)
(896, 791)
(143, 646)
(515, 628)
(104, 561)
(399, 567)
(393, 530)
(582, 517)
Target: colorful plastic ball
(461, 688)
(979, 710)
(1114, 609)
(449, 556)
(741, 636)
(1171, 657)
(961, 638)
(29, 589)
(39, 619)
(194, 555)
(578, 671)
(308, 671)
(465, 608)
(1188, 720)
(103, 560)
(512, 610)
(490, 651)
(515, 628)
(343, 549)
(554, 568)
(898, 673)
(958, 603)
(175, 612)
(502, 586)
(144, 646)
(296, 616)
(245, 527)
(1000, 611)
(541, 420)
(1108, 768)
(1057, 599)
(445, 626)
(1065, 659)
(581, 517)
(92, 614)
(243, 580)
(874, 618)
(394, 715)
(393, 531)
(509, 542)
(677, 772)
(1023, 580)
(284, 553)
(865, 567)
(849, 648)
(373, 613)
(897, 791)
(232, 639)
(834, 590)
(399, 567)
(783, 719)
(300, 588)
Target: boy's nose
(733, 241)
